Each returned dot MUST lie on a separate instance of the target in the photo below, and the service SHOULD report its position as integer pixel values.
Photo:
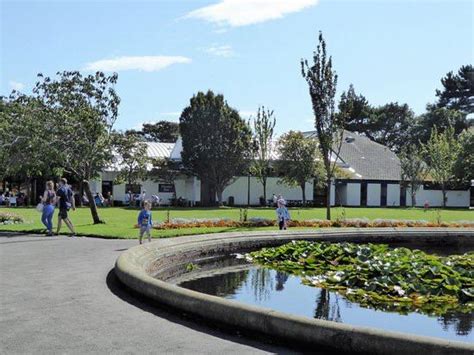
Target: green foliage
(263, 127)
(299, 161)
(161, 131)
(216, 141)
(390, 125)
(413, 170)
(355, 111)
(441, 153)
(458, 90)
(322, 82)
(131, 158)
(376, 276)
(464, 166)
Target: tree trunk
(219, 192)
(92, 206)
(445, 197)
(413, 197)
(303, 186)
(328, 199)
(264, 184)
(28, 192)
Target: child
(283, 215)
(144, 221)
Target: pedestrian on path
(283, 216)
(49, 201)
(66, 202)
(145, 222)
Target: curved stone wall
(146, 268)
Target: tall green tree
(83, 110)
(413, 170)
(390, 125)
(441, 152)
(464, 166)
(355, 110)
(298, 160)
(263, 126)
(216, 143)
(458, 90)
(440, 117)
(322, 81)
(131, 158)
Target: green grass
(119, 222)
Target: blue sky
(248, 50)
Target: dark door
(383, 195)
(107, 187)
(403, 196)
(363, 194)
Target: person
(66, 202)
(142, 198)
(49, 202)
(109, 199)
(145, 222)
(99, 200)
(283, 216)
(275, 199)
(155, 200)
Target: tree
(355, 110)
(263, 127)
(298, 160)
(458, 90)
(161, 131)
(322, 81)
(131, 158)
(441, 152)
(216, 143)
(464, 166)
(413, 170)
(440, 117)
(83, 110)
(390, 125)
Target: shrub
(10, 218)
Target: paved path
(59, 295)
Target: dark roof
(370, 160)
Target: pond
(233, 278)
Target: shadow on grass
(196, 323)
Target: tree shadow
(197, 323)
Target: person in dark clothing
(66, 202)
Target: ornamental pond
(238, 278)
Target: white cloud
(15, 85)
(237, 13)
(220, 51)
(144, 63)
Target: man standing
(66, 202)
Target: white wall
(373, 194)
(393, 195)
(353, 194)
(435, 198)
(333, 193)
(239, 189)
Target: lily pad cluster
(380, 277)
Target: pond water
(236, 279)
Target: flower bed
(178, 223)
(10, 218)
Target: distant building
(372, 178)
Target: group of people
(63, 199)
(13, 198)
(138, 200)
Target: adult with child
(283, 216)
(49, 202)
(66, 202)
(145, 222)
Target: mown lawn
(119, 222)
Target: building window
(169, 188)
(383, 194)
(363, 193)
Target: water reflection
(278, 290)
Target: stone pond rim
(145, 269)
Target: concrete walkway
(58, 295)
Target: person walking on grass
(145, 222)
(283, 216)
(49, 201)
(66, 202)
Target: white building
(373, 170)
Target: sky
(248, 50)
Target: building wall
(239, 190)
(353, 194)
(435, 198)
(373, 194)
(393, 195)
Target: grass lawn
(120, 221)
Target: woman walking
(49, 201)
